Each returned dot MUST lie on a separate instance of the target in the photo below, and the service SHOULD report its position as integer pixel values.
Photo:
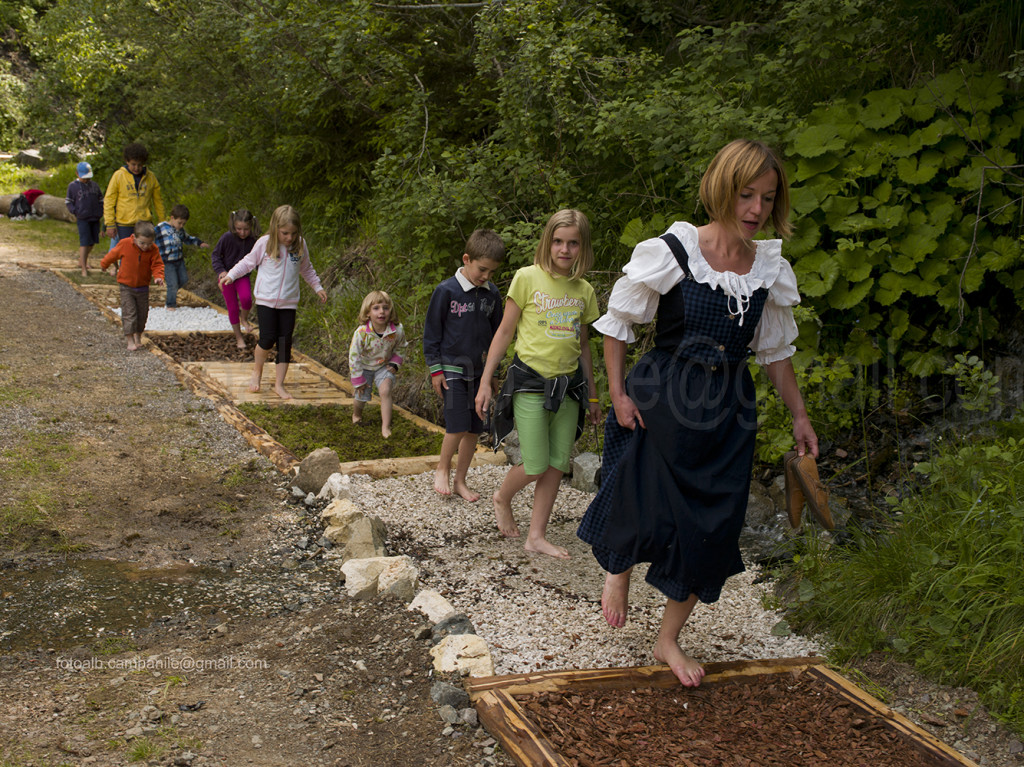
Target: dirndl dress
(675, 493)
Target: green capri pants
(545, 438)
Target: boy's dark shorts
(460, 407)
(88, 233)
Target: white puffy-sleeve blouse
(652, 271)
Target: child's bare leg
(280, 371)
(130, 338)
(543, 502)
(467, 445)
(239, 338)
(357, 410)
(384, 391)
(260, 356)
(449, 445)
(514, 481)
(687, 670)
(615, 598)
(83, 259)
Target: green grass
(305, 428)
(943, 587)
(46, 235)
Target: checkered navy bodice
(696, 322)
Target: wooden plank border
(495, 700)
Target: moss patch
(305, 428)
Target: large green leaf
(815, 140)
(845, 295)
(919, 170)
(890, 288)
(883, 108)
(1002, 254)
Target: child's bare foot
(506, 522)
(85, 272)
(282, 392)
(171, 308)
(615, 599)
(544, 546)
(240, 344)
(463, 491)
(441, 486)
(688, 671)
(385, 432)
(132, 346)
(356, 418)
(254, 383)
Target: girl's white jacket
(277, 281)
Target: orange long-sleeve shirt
(137, 267)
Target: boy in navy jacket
(84, 201)
(464, 312)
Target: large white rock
(357, 535)
(584, 472)
(365, 578)
(399, 578)
(337, 486)
(465, 653)
(433, 605)
(316, 468)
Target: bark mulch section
(207, 347)
(769, 720)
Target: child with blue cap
(85, 202)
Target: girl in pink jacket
(282, 256)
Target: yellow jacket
(125, 203)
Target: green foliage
(977, 388)
(943, 588)
(12, 106)
(835, 392)
(907, 204)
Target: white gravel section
(185, 318)
(540, 613)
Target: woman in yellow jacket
(132, 191)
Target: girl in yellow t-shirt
(550, 384)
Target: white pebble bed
(185, 318)
(540, 613)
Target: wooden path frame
(199, 382)
(495, 700)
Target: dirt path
(219, 644)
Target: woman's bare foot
(615, 598)
(254, 383)
(240, 344)
(282, 392)
(506, 522)
(688, 671)
(544, 546)
(462, 490)
(441, 486)
(246, 325)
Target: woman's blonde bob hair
(284, 215)
(566, 217)
(376, 297)
(736, 166)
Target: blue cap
(84, 170)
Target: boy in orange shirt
(139, 263)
